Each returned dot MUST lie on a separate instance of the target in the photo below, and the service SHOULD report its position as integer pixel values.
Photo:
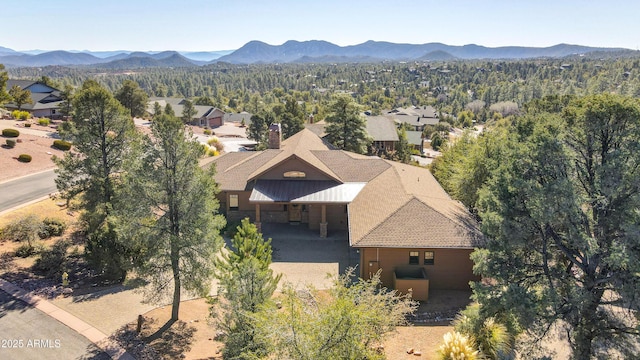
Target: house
(415, 116)
(238, 118)
(45, 99)
(397, 216)
(208, 116)
(416, 140)
(381, 129)
(383, 132)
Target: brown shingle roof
(418, 225)
(349, 168)
(400, 205)
(406, 207)
(233, 169)
(382, 128)
(299, 145)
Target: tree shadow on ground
(168, 341)
(6, 261)
(172, 339)
(92, 290)
(93, 353)
(9, 304)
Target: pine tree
(104, 139)
(133, 98)
(246, 284)
(403, 150)
(173, 212)
(346, 127)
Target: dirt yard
(38, 146)
(193, 336)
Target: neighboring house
(383, 132)
(208, 116)
(317, 128)
(415, 116)
(381, 129)
(238, 118)
(45, 99)
(416, 140)
(397, 216)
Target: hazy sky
(207, 25)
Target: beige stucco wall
(452, 268)
(419, 288)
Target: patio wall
(452, 268)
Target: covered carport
(316, 202)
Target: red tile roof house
(397, 215)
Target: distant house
(397, 216)
(238, 117)
(381, 129)
(317, 128)
(383, 132)
(415, 116)
(46, 99)
(416, 140)
(208, 116)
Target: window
(428, 257)
(233, 202)
(414, 258)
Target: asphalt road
(25, 189)
(28, 333)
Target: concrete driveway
(304, 258)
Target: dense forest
(450, 85)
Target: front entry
(295, 213)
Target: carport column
(323, 222)
(258, 223)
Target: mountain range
(313, 51)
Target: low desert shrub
(22, 229)
(61, 145)
(492, 338)
(215, 142)
(10, 132)
(44, 121)
(11, 143)
(20, 115)
(457, 346)
(25, 250)
(27, 125)
(53, 262)
(52, 227)
(207, 132)
(25, 158)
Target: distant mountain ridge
(255, 52)
(294, 51)
(103, 59)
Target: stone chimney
(275, 136)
